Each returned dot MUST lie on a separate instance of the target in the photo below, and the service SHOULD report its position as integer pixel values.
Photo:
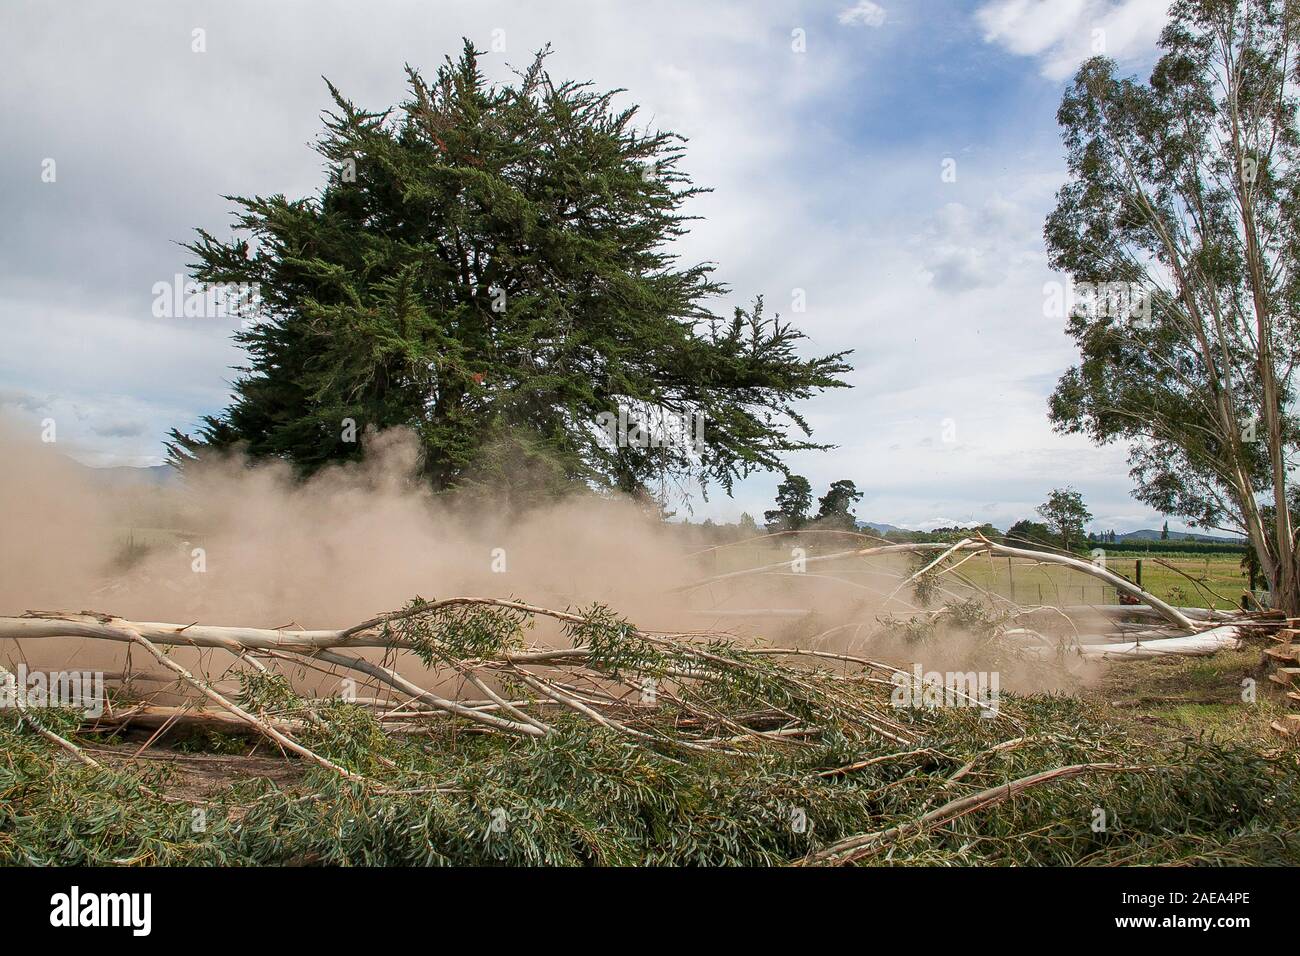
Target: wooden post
(1138, 572)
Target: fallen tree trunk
(1165, 610)
(589, 679)
(1222, 638)
(185, 719)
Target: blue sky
(826, 164)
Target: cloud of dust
(236, 544)
(253, 546)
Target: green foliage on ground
(585, 796)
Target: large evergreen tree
(488, 265)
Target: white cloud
(1061, 34)
(865, 13)
(970, 248)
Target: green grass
(1186, 581)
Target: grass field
(1168, 697)
(1184, 580)
(1187, 579)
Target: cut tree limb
(1195, 645)
(282, 739)
(860, 847)
(1167, 611)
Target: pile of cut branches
(613, 746)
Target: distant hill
(1147, 534)
(880, 528)
(117, 476)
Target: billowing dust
(234, 544)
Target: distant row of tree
(1060, 524)
(794, 502)
(1064, 514)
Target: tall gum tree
(1178, 226)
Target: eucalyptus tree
(1178, 229)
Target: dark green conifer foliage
(487, 265)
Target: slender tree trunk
(1260, 541)
(1282, 579)
(1286, 595)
